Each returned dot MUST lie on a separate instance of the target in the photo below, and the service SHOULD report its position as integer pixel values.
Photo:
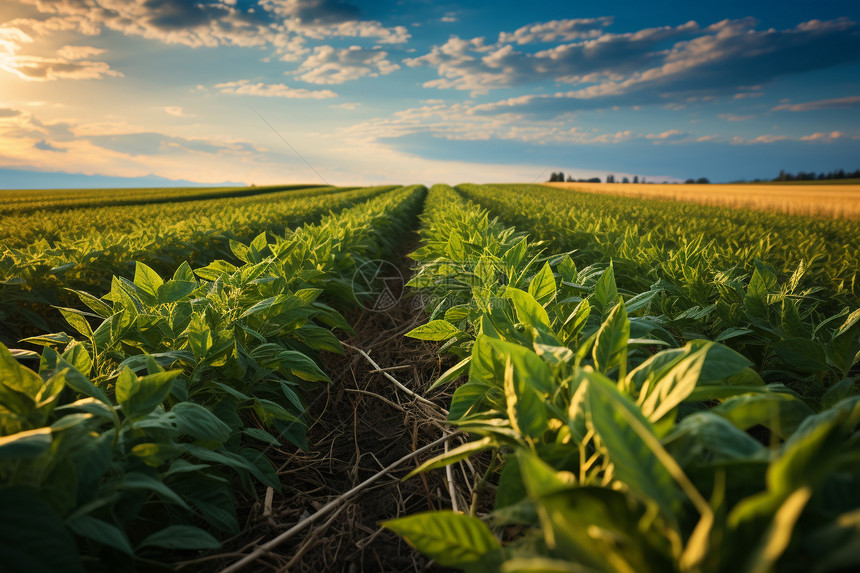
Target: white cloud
(327, 65)
(79, 52)
(837, 103)
(667, 135)
(728, 58)
(564, 30)
(176, 111)
(69, 63)
(271, 24)
(833, 135)
(767, 138)
(245, 87)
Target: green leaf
(451, 539)
(55, 339)
(215, 270)
(780, 413)
(261, 435)
(706, 438)
(529, 311)
(302, 366)
(526, 411)
(78, 357)
(605, 292)
(199, 336)
(466, 398)
(319, 338)
(456, 249)
(269, 411)
(839, 391)
(196, 421)
(33, 538)
(140, 396)
(515, 255)
(436, 330)
(77, 321)
(453, 456)
(542, 565)
(613, 416)
(16, 377)
(452, 373)
(180, 537)
(567, 269)
(667, 392)
(147, 279)
(574, 323)
(539, 478)
(733, 332)
(542, 286)
(25, 445)
(137, 480)
(849, 323)
(610, 347)
(184, 273)
(100, 531)
(174, 291)
(95, 304)
(263, 305)
(602, 530)
(528, 366)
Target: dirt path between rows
(361, 424)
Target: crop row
(696, 247)
(37, 274)
(620, 448)
(27, 201)
(700, 289)
(129, 438)
(56, 226)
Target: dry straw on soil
(810, 200)
(377, 413)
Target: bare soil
(361, 424)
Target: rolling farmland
(505, 377)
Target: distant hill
(23, 179)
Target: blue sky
(421, 91)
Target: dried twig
(395, 381)
(323, 511)
(452, 489)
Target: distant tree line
(559, 178)
(783, 176)
(811, 176)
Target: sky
(348, 92)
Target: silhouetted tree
(610, 178)
(702, 180)
(635, 179)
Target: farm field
(396, 378)
(841, 199)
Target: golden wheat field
(813, 200)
